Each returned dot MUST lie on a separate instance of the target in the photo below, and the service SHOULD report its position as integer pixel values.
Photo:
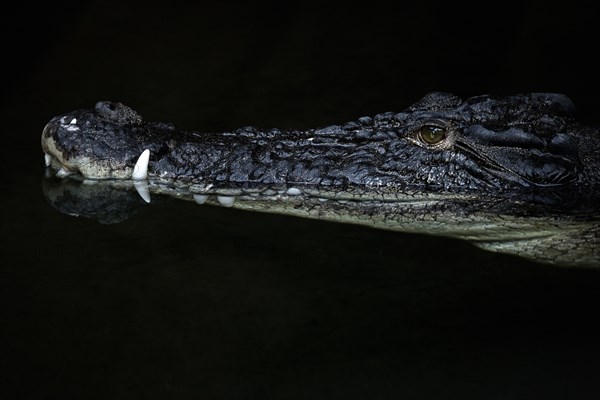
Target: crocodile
(514, 174)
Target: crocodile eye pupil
(431, 134)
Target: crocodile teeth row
(226, 201)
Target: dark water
(188, 301)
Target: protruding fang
(140, 171)
(73, 121)
(200, 198)
(61, 173)
(293, 191)
(143, 191)
(48, 159)
(226, 201)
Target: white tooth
(200, 198)
(226, 201)
(140, 171)
(73, 121)
(48, 159)
(61, 173)
(142, 189)
(293, 191)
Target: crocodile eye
(432, 134)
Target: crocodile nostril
(105, 108)
(117, 113)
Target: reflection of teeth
(61, 173)
(140, 171)
(142, 189)
(226, 201)
(48, 159)
(200, 198)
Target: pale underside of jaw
(139, 173)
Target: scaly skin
(516, 174)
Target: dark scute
(386, 116)
(364, 134)
(117, 113)
(566, 145)
(351, 125)
(557, 103)
(436, 101)
(549, 171)
(332, 130)
(547, 111)
(365, 121)
(511, 137)
(536, 166)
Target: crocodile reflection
(538, 230)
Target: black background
(189, 303)
(299, 63)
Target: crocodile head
(100, 143)
(511, 174)
(441, 143)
